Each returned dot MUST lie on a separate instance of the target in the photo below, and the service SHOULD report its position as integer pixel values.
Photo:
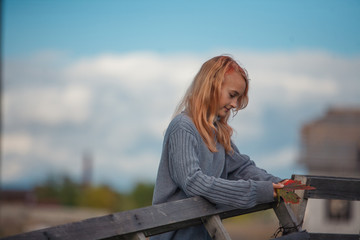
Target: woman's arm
(239, 166)
(186, 173)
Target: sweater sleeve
(185, 171)
(239, 166)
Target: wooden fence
(140, 223)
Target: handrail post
(286, 218)
(299, 209)
(138, 236)
(215, 228)
(137, 224)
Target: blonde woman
(198, 156)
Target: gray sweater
(188, 168)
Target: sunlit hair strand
(201, 101)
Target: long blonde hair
(201, 101)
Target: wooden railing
(140, 223)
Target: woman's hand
(277, 186)
(284, 181)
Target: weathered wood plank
(150, 220)
(329, 236)
(215, 228)
(138, 236)
(299, 209)
(334, 188)
(303, 235)
(287, 218)
(319, 236)
(134, 236)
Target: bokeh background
(89, 87)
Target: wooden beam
(215, 228)
(134, 236)
(329, 236)
(334, 188)
(139, 236)
(286, 218)
(303, 235)
(150, 220)
(319, 236)
(299, 209)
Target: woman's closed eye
(233, 95)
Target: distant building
(331, 144)
(331, 147)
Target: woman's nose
(233, 104)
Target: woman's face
(232, 88)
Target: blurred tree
(68, 191)
(125, 203)
(142, 194)
(58, 190)
(48, 192)
(99, 197)
(63, 190)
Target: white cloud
(247, 124)
(283, 158)
(136, 71)
(20, 143)
(296, 78)
(143, 163)
(13, 171)
(21, 149)
(119, 105)
(48, 105)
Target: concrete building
(330, 146)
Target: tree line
(65, 191)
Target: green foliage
(68, 192)
(142, 194)
(63, 190)
(48, 192)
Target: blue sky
(92, 27)
(105, 77)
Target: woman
(198, 156)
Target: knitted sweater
(188, 168)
